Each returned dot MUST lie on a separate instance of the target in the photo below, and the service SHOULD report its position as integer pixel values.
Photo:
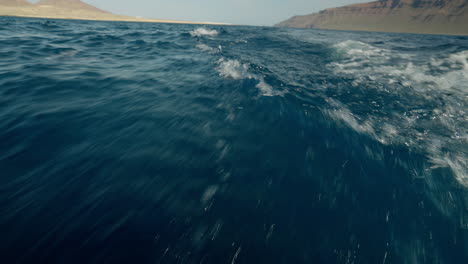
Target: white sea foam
(405, 131)
(206, 48)
(365, 61)
(340, 112)
(233, 69)
(431, 127)
(359, 49)
(265, 88)
(202, 32)
(237, 70)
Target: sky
(245, 12)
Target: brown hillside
(409, 16)
(70, 4)
(14, 3)
(66, 9)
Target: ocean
(163, 143)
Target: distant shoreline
(377, 31)
(136, 20)
(76, 10)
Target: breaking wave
(236, 70)
(202, 32)
(206, 48)
(425, 123)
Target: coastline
(375, 31)
(88, 16)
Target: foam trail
(366, 61)
(237, 70)
(427, 82)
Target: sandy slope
(408, 16)
(68, 9)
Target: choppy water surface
(157, 143)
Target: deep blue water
(159, 143)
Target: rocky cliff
(408, 16)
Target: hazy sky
(252, 12)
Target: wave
(202, 32)
(206, 48)
(233, 69)
(101, 39)
(364, 61)
(63, 54)
(421, 121)
(237, 70)
(134, 35)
